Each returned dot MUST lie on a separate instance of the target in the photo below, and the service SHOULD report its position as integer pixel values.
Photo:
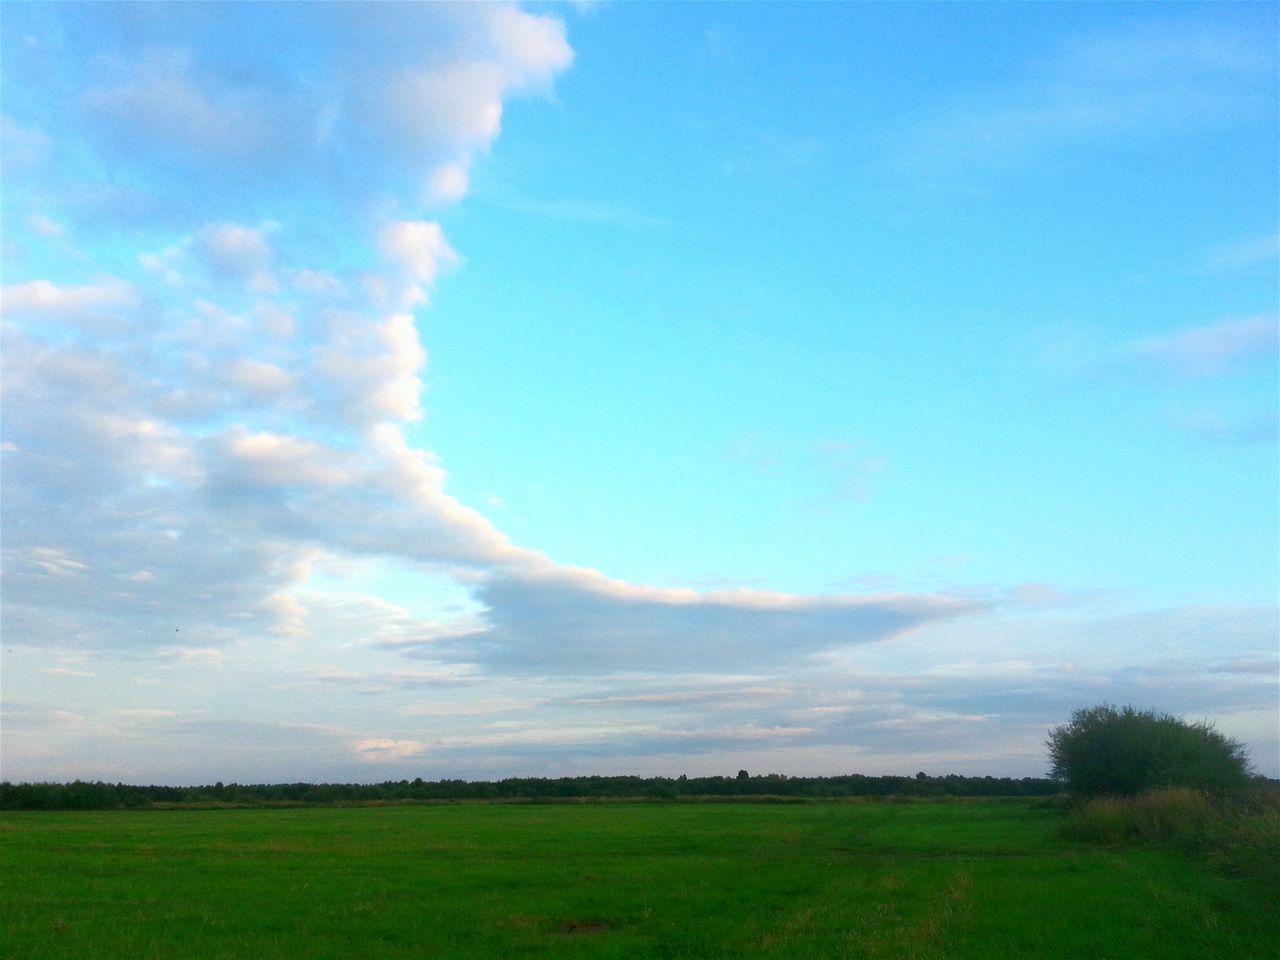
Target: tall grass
(1237, 832)
(1177, 814)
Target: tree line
(1103, 750)
(98, 795)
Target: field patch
(982, 880)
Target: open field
(982, 880)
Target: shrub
(1124, 751)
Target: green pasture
(982, 880)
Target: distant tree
(1123, 750)
(743, 775)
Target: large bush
(1122, 750)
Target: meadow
(982, 879)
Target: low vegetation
(1145, 779)
(85, 795)
(1239, 834)
(964, 880)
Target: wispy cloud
(1223, 429)
(385, 750)
(953, 700)
(1211, 350)
(204, 656)
(1239, 352)
(1149, 80)
(383, 680)
(838, 472)
(1249, 252)
(603, 212)
(23, 147)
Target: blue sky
(433, 390)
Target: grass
(1239, 834)
(982, 880)
(1158, 815)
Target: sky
(399, 390)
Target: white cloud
(450, 109)
(223, 252)
(238, 253)
(164, 265)
(459, 103)
(280, 461)
(98, 474)
(318, 282)
(289, 615)
(417, 252)
(209, 656)
(713, 692)
(43, 298)
(416, 91)
(384, 750)
(541, 618)
(163, 100)
(147, 713)
(260, 379)
(533, 47)
(372, 368)
(52, 562)
(448, 183)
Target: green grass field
(982, 880)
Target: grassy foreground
(983, 880)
